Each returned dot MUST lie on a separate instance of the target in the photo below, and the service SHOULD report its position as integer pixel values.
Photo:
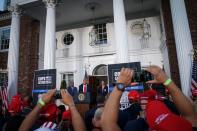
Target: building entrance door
(99, 74)
(94, 82)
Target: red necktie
(85, 88)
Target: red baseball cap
(160, 118)
(49, 111)
(66, 115)
(133, 95)
(150, 94)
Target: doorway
(99, 74)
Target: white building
(73, 59)
(74, 19)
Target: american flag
(86, 75)
(49, 125)
(194, 75)
(4, 95)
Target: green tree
(63, 85)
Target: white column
(183, 42)
(50, 39)
(79, 68)
(164, 51)
(120, 31)
(13, 54)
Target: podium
(82, 102)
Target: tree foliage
(63, 85)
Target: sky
(2, 4)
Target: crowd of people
(147, 111)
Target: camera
(58, 94)
(142, 76)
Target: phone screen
(142, 76)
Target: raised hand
(67, 99)
(48, 96)
(159, 75)
(125, 76)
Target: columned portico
(13, 55)
(50, 41)
(183, 42)
(120, 31)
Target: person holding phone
(77, 121)
(182, 103)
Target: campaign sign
(124, 101)
(114, 70)
(44, 80)
(139, 86)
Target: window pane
(102, 33)
(105, 36)
(3, 78)
(104, 30)
(100, 70)
(68, 39)
(68, 77)
(100, 36)
(5, 38)
(100, 30)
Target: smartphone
(142, 76)
(58, 95)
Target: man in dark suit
(72, 89)
(84, 87)
(103, 89)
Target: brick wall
(170, 42)
(28, 53)
(191, 7)
(4, 55)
